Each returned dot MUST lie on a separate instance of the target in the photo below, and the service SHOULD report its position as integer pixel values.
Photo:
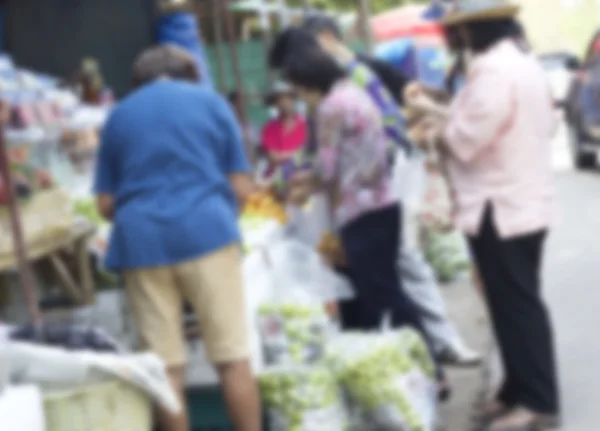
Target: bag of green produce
(293, 322)
(386, 380)
(293, 333)
(302, 399)
(447, 253)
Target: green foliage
(349, 5)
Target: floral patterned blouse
(352, 153)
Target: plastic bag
(303, 399)
(389, 388)
(447, 253)
(293, 322)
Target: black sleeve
(392, 78)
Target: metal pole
(218, 36)
(20, 248)
(364, 21)
(237, 70)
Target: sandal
(521, 419)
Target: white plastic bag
(389, 388)
(447, 253)
(22, 409)
(308, 224)
(292, 321)
(302, 399)
(301, 275)
(55, 368)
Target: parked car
(560, 68)
(582, 108)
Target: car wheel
(582, 159)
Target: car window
(553, 62)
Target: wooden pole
(218, 36)
(237, 69)
(364, 22)
(28, 282)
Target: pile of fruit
(386, 385)
(293, 334)
(303, 399)
(261, 206)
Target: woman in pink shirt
(498, 139)
(284, 136)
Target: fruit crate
(207, 410)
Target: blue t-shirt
(165, 156)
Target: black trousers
(510, 270)
(371, 244)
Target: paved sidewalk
(468, 312)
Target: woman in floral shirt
(352, 167)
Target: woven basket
(47, 215)
(114, 406)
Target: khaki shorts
(212, 285)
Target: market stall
(56, 377)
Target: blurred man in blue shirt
(171, 170)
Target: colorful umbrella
(407, 21)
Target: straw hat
(462, 11)
(280, 88)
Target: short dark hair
(319, 22)
(164, 60)
(485, 34)
(287, 42)
(313, 69)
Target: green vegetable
(374, 369)
(302, 399)
(293, 333)
(87, 209)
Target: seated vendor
(286, 134)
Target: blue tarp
(402, 53)
(181, 29)
(426, 63)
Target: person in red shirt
(286, 134)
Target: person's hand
(425, 130)
(412, 90)
(299, 194)
(302, 177)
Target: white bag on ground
(389, 388)
(302, 399)
(292, 321)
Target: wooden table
(79, 288)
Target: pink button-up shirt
(499, 138)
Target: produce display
(261, 206)
(386, 385)
(302, 399)
(293, 333)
